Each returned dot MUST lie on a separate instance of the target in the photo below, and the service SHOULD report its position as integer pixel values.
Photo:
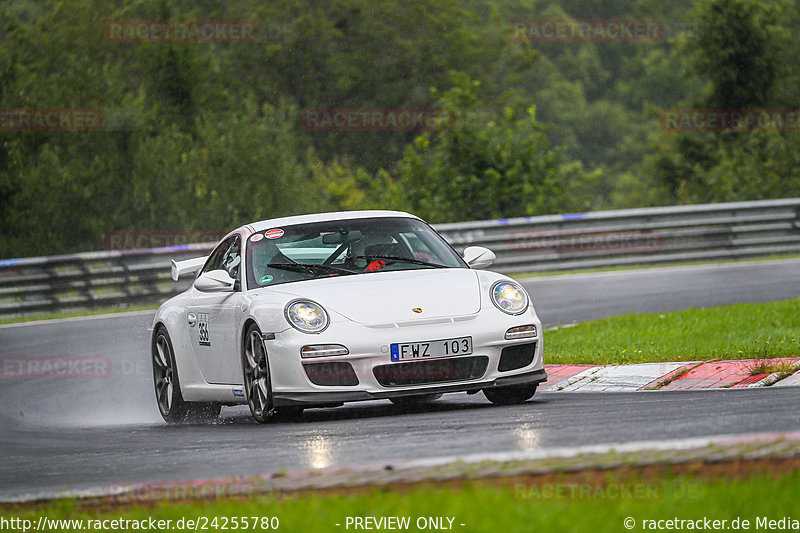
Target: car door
(211, 319)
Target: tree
(482, 166)
(737, 50)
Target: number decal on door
(202, 329)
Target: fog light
(521, 332)
(323, 350)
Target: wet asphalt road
(91, 433)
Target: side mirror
(478, 256)
(215, 281)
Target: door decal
(202, 326)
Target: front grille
(336, 374)
(432, 371)
(514, 357)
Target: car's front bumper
(288, 398)
(369, 353)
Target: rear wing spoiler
(179, 269)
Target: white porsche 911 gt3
(317, 310)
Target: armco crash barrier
(91, 280)
(635, 236)
(543, 243)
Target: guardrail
(530, 244)
(635, 236)
(91, 280)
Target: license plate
(423, 350)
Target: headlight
(509, 297)
(306, 316)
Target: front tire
(170, 401)
(257, 382)
(513, 395)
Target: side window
(232, 259)
(215, 259)
(226, 257)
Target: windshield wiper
(312, 269)
(404, 259)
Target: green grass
(740, 331)
(71, 314)
(508, 506)
(767, 366)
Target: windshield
(343, 248)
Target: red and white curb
(736, 374)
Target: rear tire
(513, 395)
(170, 401)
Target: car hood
(389, 297)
